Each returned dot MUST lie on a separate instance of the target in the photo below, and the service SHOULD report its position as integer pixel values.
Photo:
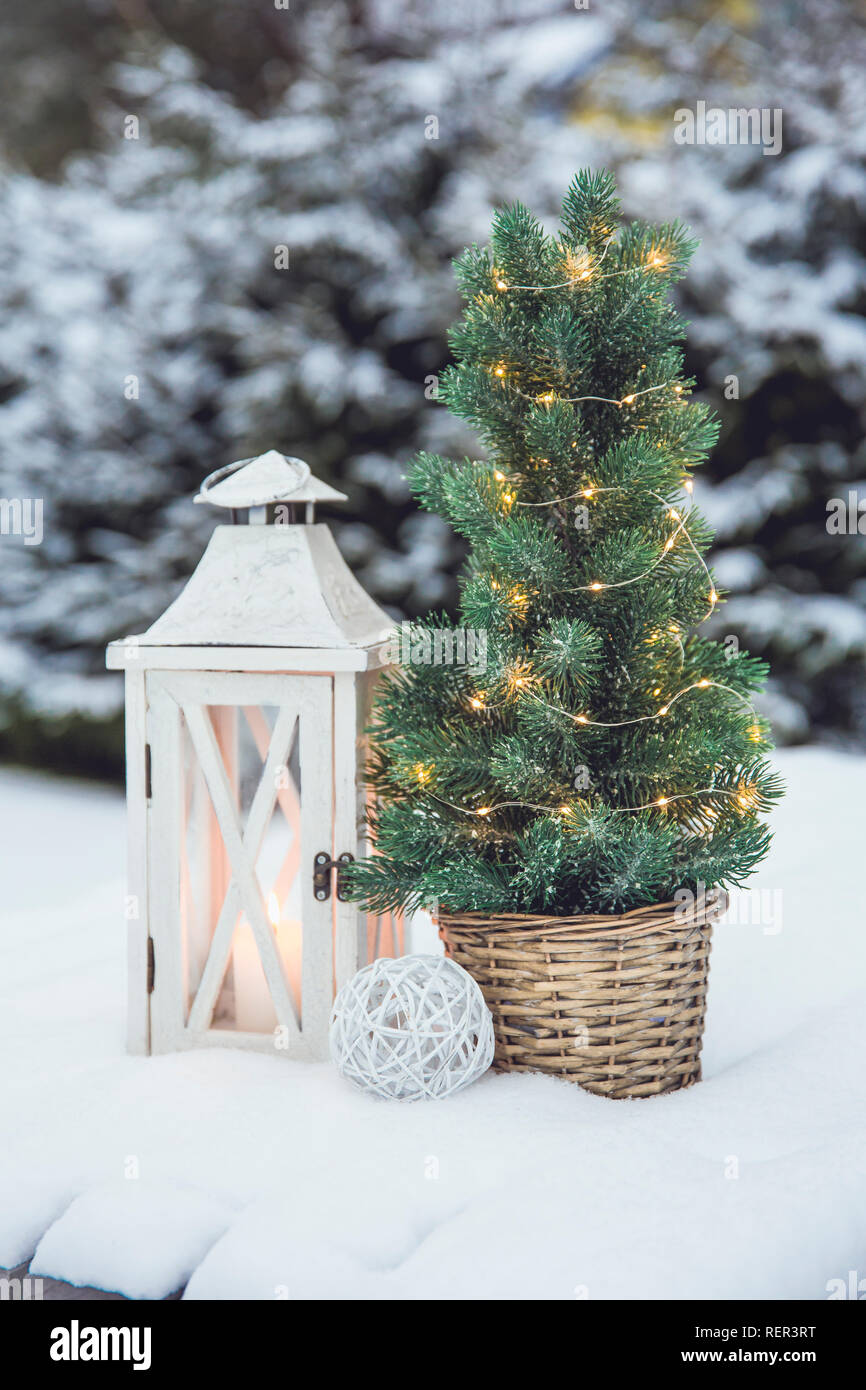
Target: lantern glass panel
(244, 1002)
(253, 801)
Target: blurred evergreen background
(373, 138)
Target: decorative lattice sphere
(410, 1028)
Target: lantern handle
(302, 470)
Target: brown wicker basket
(616, 1004)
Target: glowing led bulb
(714, 598)
(662, 801)
(500, 477)
(587, 492)
(703, 683)
(627, 400)
(581, 719)
(596, 586)
(501, 285)
(484, 810)
(664, 709)
(476, 703)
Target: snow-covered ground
(253, 1177)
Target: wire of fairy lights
(705, 683)
(551, 397)
(681, 529)
(598, 585)
(743, 795)
(548, 398)
(657, 261)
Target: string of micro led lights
(703, 684)
(744, 798)
(549, 397)
(423, 774)
(586, 273)
(597, 585)
(656, 262)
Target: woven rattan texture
(616, 1004)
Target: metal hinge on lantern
(150, 965)
(322, 867)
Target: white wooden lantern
(245, 708)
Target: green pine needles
(596, 753)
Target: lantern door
(242, 802)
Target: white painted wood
(309, 700)
(257, 822)
(271, 477)
(272, 586)
(350, 923)
(225, 723)
(248, 1042)
(271, 617)
(138, 654)
(219, 903)
(189, 937)
(137, 916)
(317, 820)
(287, 799)
(239, 688)
(242, 861)
(166, 1001)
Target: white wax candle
(254, 1007)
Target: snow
(167, 1227)
(154, 258)
(253, 1177)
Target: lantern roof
(270, 477)
(278, 585)
(271, 586)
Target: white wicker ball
(412, 1027)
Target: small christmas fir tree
(598, 753)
